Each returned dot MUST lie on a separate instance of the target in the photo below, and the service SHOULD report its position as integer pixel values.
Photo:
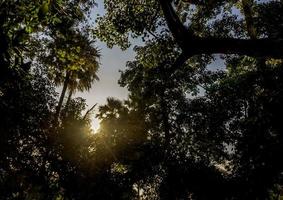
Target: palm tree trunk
(65, 86)
(67, 103)
(69, 98)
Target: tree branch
(250, 47)
(178, 30)
(192, 45)
(88, 111)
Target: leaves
(204, 128)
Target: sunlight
(95, 125)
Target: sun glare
(95, 125)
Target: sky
(111, 61)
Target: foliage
(188, 25)
(189, 129)
(73, 53)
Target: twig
(89, 110)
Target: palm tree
(73, 62)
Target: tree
(20, 21)
(123, 145)
(214, 130)
(72, 62)
(189, 130)
(27, 105)
(192, 44)
(248, 102)
(28, 98)
(124, 16)
(157, 108)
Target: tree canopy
(202, 119)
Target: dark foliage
(190, 129)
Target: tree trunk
(61, 99)
(251, 29)
(69, 98)
(67, 104)
(248, 13)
